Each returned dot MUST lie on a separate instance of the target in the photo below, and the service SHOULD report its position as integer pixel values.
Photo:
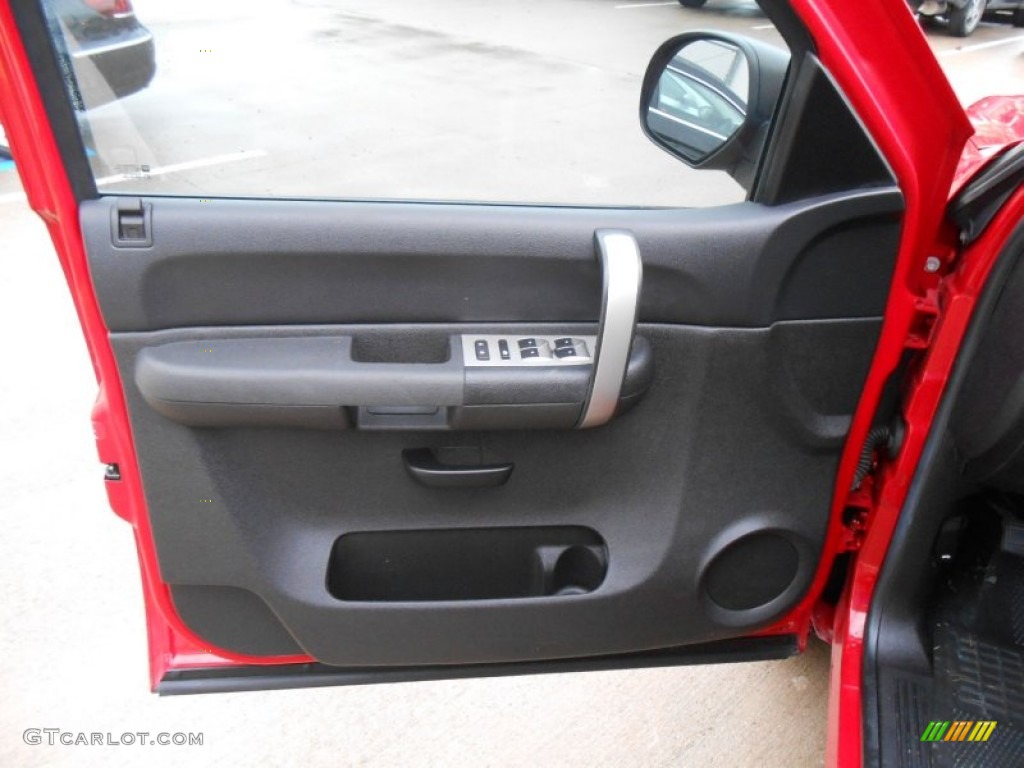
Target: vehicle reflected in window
(701, 98)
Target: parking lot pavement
(72, 644)
(990, 61)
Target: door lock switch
(483, 351)
(131, 223)
(503, 350)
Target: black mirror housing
(707, 116)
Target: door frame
(919, 127)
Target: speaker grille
(751, 571)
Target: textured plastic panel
(739, 432)
(318, 382)
(227, 617)
(989, 420)
(253, 262)
(290, 372)
(665, 487)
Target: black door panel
(279, 676)
(325, 382)
(728, 453)
(696, 515)
(226, 263)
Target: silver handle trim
(622, 272)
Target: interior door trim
(622, 278)
(282, 676)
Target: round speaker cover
(751, 571)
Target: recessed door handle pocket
(425, 468)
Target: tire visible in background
(963, 21)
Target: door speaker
(751, 571)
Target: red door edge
(39, 163)
(957, 296)
(895, 84)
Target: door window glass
(534, 101)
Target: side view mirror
(708, 99)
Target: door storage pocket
(466, 564)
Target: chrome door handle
(622, 273)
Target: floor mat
(976, 682)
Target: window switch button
(565, 351)
(527, 343)
(529, 352)
(563, 343)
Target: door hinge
(882, 444)
(855, 517)
(131, 223)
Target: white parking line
(764, 26)
(163, 170)
(981, 46)
(642, 5)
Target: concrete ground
(72, 639)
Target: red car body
(882, 62)
(998, 125)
